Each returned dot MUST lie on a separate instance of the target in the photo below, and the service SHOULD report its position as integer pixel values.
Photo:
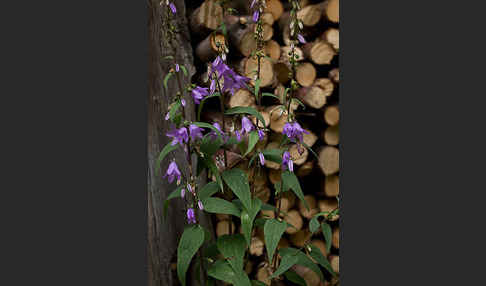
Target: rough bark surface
(164, 234)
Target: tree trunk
(164, 233)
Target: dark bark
(164, 234)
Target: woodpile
(318, 112)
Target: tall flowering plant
(224, 259)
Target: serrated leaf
(208, 190)
(191, 240)
(273, 231)
(252, 140)
(247, 218)
(232, 247)
(221, 270)
(314, 224)
(294, 278)
(290, 180)
(237, 181)
(287, 261)
(303, 260)
(166, 150)
(321, 259)
(245, 110)
(184, 70)
(166, 78)
(327, 232)
(217, 205)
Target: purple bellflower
(200, 205)
(246, 125)
(191, 218)
(195, 132)
(301, 39)
(238, 135)
(287, 162)
(199, 93)
(173, 8)
(179, 136)
(177, 68)
(173, 172)
(252, 4)
(214, 135)
(256, 16)
(183, 192)
(294, 131)
(262, 158)
(261, 134)
(231, 80)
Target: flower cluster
(231, 80)
(294, 131)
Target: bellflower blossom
(262, 158)
(246, 125)
(294, 131)
(214, 135)
(287, 162)
(177, 68)
(252, 4)
(190, 189)
(191, 218)
(231, 80)
(199, 93)
(200, 205)
(301, 39)
(195, 132)
(256, 15)
(183, 192)
(180, 136)
(261, 134)
(183, 102)
(238, 135)
(173, 8)
(172, 172)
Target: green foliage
(166, 78)
(252, 140)
(232, 247)
(166, 150)
(247, 218)
(191, 240)
(295, 278)
(237, 181)
(287, 261)
(317, 255)
(176, 193)
(327, 232)
(273, 231)
(302, 260)
(208, 190)
(290, 181)
(217, 205)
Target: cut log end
(256, 246)
(331, 115)
(329, 160)
(294, 218)
(334, 75)
(335, 237)
(222, 228)
(332, 11)
(331, 135)
(305, 74)
(274, 7)
(272, 49)
(250, 68)
(319, 51)
(331, 186)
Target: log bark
(163, 237)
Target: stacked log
(317, 109)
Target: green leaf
(247, 218)
(327, 232)
(270, 94)
(210, 146)
(208, 190)
(232, 247)
(176, 193)
(252, 140)
(241, 279)
(273, 231)
(174, 108)
(221, 270)
(207, 125)
(314, 224)
(299, 102)
(217, 205)
(166, 150)
(290, 181)
(168, 57)
(294, 278)
(166, 78)
(287, 261)
(237, 181)
(274, 155)
(184, 70)
(257, 283)
(245, 110)
(304, 260)
(191, 240)
(321, 259)
(211, 251)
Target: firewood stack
(318, 75)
